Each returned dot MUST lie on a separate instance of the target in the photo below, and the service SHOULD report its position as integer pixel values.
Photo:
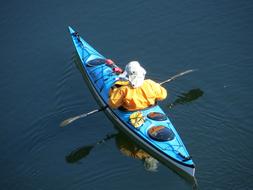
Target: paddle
(72, 119)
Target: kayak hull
(164, 152)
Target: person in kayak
(132, 92)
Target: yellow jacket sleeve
(116, 98)
(160, 92)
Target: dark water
(41, 86)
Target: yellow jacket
(136, 98)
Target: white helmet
(135, 73)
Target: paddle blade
(68, 121)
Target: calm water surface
(41, 86)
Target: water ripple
(101, 173)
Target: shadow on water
(124, 144)
(84, 151)
(187, 97)
(127, 148)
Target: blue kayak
(156, 134)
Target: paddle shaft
(72, 119)
(86, 114)
(176, 76)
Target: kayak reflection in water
(130, 149)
